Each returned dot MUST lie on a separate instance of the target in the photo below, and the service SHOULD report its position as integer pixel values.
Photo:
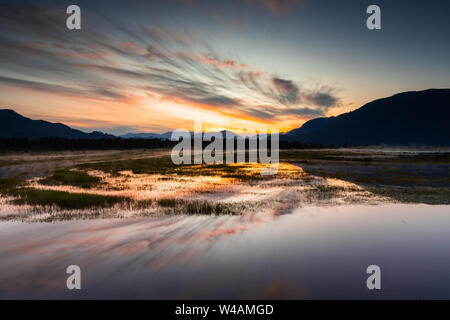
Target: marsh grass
(164, 166)
(401, 194)
(167, 202)
(64, 200)
(200, 207)
(363, 156)
(154, 185)
(399, 184)
(157, 165)
(8, 185)
(4, 163)
(204, 207)
(71, 178)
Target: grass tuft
(167, 202)
(7, 185)
(65, 200)
(199, 207)
(72, 178)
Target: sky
(155, 66)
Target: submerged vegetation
(200, 207)
(156, 165)
(133, 183)
(8, 185)
(64, 200)
(401, 175)
(72, 178)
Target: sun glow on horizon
(141, 115)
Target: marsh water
(309, 253)
(222, 232)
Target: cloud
(288, 92)
(323, 99)
(273, 112)
(93, 92)
(114, 60)
(225, 63)
(305, 112)
(276, 7)
(285, 97)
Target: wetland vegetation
(143, 183)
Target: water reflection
(314, 252)
(236, 190)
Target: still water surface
(309, 253)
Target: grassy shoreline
(304, 175)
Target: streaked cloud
(279, 6)
(287, 91)
(146, 64)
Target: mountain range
(14, 125)
(408, 118)
(166, 136)
(149, 135)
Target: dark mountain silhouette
(167, 136)
(147, 135)
(13, 125)
(409, 118)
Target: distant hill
(409, 118)
(13, 125)
(168, 135)
(149, 135)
